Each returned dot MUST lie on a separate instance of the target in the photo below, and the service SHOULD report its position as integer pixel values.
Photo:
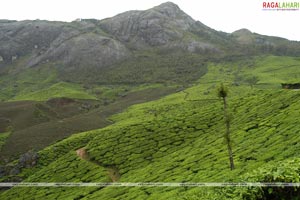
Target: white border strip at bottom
(148, 184)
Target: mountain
(164, 26)
(266, 44)
(90, 50)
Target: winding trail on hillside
(112, 171)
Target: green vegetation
(44, 82)
(179, 139)
(17, 81)
(270, 71)
(39, 124)
(286, 171)
(275, 69)
(146, 67)
(3, 137)
(61, 89)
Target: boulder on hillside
(28, 159)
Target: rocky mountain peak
(168, 4)
(242, 31)
(156, 26)
(244, 36)
(170, 9)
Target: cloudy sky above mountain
(227, 16)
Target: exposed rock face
(28, 159)
(157, 26)
(93, 44)
(266, 44)
(57, 41)
(20, 38)
(85, 49)
(97, 44)
(164, 26)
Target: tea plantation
(180, 138)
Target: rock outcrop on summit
(92, 45)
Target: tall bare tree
(223, 93)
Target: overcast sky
(222, 15)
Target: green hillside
(179, 138)
(270, 71)
(146, 69)
(16, 81)
(61, 89)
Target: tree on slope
(223, 93)
(252, 81)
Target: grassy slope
(271, 71)
(276, 70)
(180, 138)
(15, 82)
(38, 84)
(149, 67)
(41, 84)
(61, 89)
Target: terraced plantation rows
(179, 138)
(175, 140)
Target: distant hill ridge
(87, 47)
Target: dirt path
(82, 154)
(112, 171)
